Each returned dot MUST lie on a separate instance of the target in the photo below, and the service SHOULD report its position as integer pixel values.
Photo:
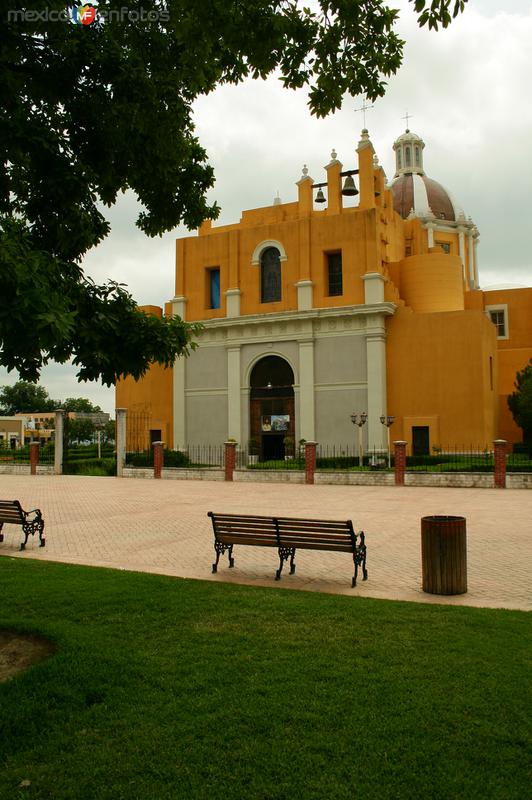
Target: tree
(25, 397)
(520, 402)
(80, 430)
(80, 404)
(90, 110)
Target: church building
(357, 297)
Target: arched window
(417, 156)
(270, 275)
(399, 160)
(408, 157)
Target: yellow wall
(432, 282)
(439, 369)
(148, 401)
(514, 352)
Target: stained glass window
(270, 275)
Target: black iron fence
(335, 458)
(193, 457)
(21, 455)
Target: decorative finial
(305, 171)
(375, 160)
(333, 154)
(277, 199)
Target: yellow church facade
(359, 296)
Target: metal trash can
(444, 555)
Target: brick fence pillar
(310, 461)
(400, 462)
(34, 457)
(500, 463)
(230, 460)
(158, 458)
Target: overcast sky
(468, 91)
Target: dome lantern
(408, 154)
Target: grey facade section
(206, 418)
(340, 387)
(340, 359)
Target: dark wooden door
(420, 440)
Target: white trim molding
(502, 307)
(255, 258)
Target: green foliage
(89, 112)
(172, 458)
(80, 430)
(90, 466)
(169, 689)
(25, 396)
(80, 404)
(520, 402)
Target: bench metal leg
(220, 549)
(359, 559)
(42, 540)
(284, 554)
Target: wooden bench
(12, 513)
(287, 535)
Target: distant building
(316, 308)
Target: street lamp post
(360, 420)
(388, 421)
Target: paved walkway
(162, 527)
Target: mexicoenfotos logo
(83, 15)
(86, 13)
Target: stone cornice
(362, 310)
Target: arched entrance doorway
(271, 410)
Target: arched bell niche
(271, 410)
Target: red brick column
(500, 463)
(230, 460)
(34, 457)
(310, 461)
(158, 458)
(400, 462)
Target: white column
(471, 260)
(475, 259)
(179, 306)
(233, 394)
(461, 243)
(121, 433)
(179, 404)
(58, 442)
(430, 234)
(306, 390)
(376, 358)
(304, 295)
(232, 302)
(373, 287)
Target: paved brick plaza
(162, 527)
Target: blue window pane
(215, 288)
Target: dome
(412, 190)
(424, 196)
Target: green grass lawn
(164, 688)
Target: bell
(349, 190)
(320, 197)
